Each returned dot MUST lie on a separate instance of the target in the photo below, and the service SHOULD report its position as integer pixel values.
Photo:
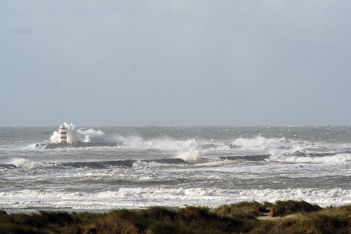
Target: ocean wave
(139, 197)
(7, 166)
(260, 157)
(28, 164)
(22, 163)
(80, 135)
(337, 158)
(75, 145)
(120, 163)
(78, 138)
(192, 156)
(258, 143)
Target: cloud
(176, 7)
(23, 31)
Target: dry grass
(283, 208)
(234, 218)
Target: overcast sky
(175, 62)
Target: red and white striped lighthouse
(63, 133)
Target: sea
(104, 168)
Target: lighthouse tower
(63, 134)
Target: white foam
(258, 142)
(144, 197)
(80, 135)
(335, 159)
(191, 149)
(188, 150)
(279, 145)
(31, 146)
(129, 142)
(166, 143)
(191, 155)
(24, 163)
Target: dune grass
(283, 208)
(286, 217)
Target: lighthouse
(63, 134)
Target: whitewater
(138, 167)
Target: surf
(68, 136)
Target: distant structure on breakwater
(68, 136)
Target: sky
(175, 62)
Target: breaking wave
(22, 163)
(193, 155)
(119, 163)
(81, 135)
(192, 150)
(127, 197)
(189, 149)
(91, 137)
(334, 159)
(258, 143)
(166, 143)
(128, 163)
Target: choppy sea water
(175, 166)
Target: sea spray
(24, 163)
(75, 135)
(147, 167)
(164, 143)
(189, 150)
(191, 156)
(340, 158)
(80, 135)
(258, 142)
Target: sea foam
(139, 197)
(80, 135)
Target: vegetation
(245, 217)
(282, 208)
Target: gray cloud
(23, 31)
(175, 62)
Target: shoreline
(244, 217)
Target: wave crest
(334, 159)
(258, 142)
(80, 135)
